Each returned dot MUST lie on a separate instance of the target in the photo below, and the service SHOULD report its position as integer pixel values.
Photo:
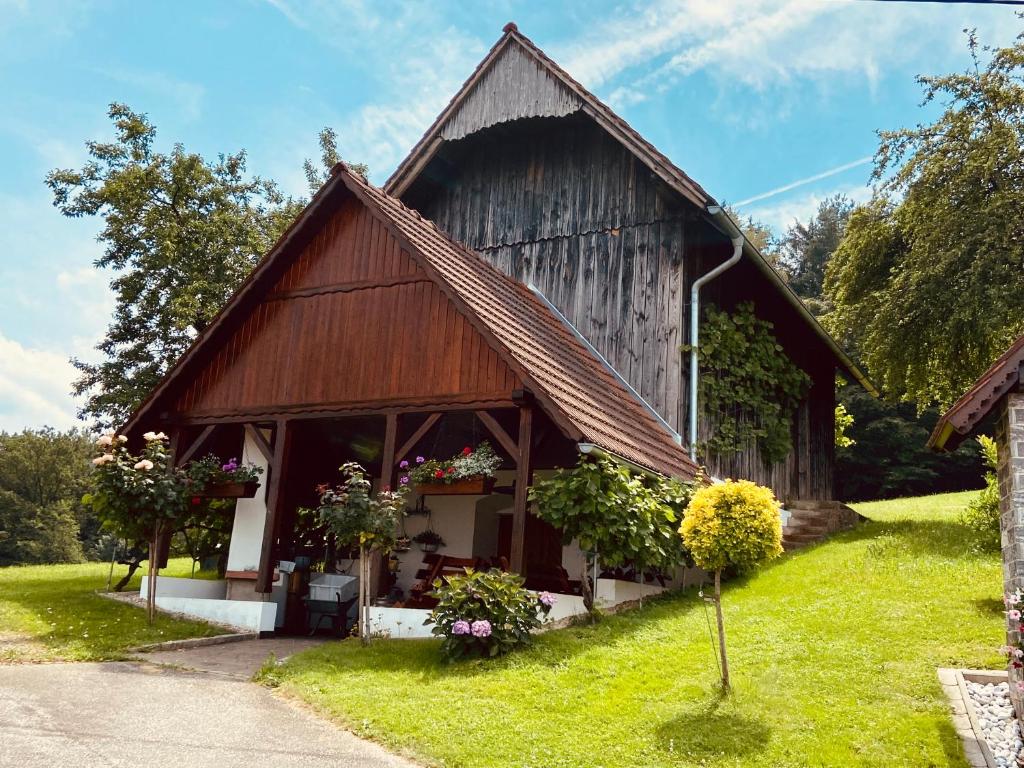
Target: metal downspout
(719, 215)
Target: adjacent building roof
(970, 410)
(554, 93)
(587, 400)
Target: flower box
(230, 490)
(474, 486)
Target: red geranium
(451, 470)
(439, 474)
(467, 451)
(196, 501)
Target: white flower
(149, 437)
(122, 439)
(99, 461)
(105, 440)
(144, 464)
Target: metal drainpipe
(719, 215)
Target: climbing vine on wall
(749, 390)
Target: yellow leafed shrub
(735, 523)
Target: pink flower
(420, 459)
(403, 464)
(546, 598)
(404, 480)
(99, 461)
(1014, 614)
(481, 628)
(144, 465)
(460, 627)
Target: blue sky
(748, 96)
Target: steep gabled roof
(556, 93)
(585, 399)
(575, 96)
(977, 402)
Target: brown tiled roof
(967, 412)
(573, 380)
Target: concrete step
(813, 505)
(806, 530)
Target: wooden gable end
(353, 322)
(515, 86)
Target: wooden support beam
(261, 442)
(409, 444)
(275, 498)
(500, 434)
(387, 459)
(196, 444)
(523, 477)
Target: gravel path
(995, 715)
(127, 715)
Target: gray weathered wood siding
(561, 206)
(513, 87)
(558, 203)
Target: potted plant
(402, 544)
(428, 540)
(470, 472)
(213, 479)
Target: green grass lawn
(52, 613)
(833, 654)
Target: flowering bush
(1015, 653)
(482, 462)
(138, 497)
(485, 614)
(211, 470)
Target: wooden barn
(533, 172)
(526, 277)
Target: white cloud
(35, 387)
(416, 59)
(765, 43)
(186, 97)
(781, 215)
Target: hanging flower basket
(471, 486)
(230, 490)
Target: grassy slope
(52, 612)
(833, 651)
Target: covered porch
(368, 336)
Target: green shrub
(982, 514)
(485, 614)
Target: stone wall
(1010, 441)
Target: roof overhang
(1005, 375)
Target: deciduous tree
(928, 281)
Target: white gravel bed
(999, 728)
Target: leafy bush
(485, 614)
(982, 514)
(732, 524)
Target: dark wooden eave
(970, 410)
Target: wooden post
(387, 459)
(275, 497)
(523, 475)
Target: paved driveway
(126, 714)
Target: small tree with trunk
(359, 518)
(734, 524)
(140, 496)
(620, 516)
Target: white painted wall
(246, 615)
(171, 586)
(250, 517)
(400, 623)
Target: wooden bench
(436, 567)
